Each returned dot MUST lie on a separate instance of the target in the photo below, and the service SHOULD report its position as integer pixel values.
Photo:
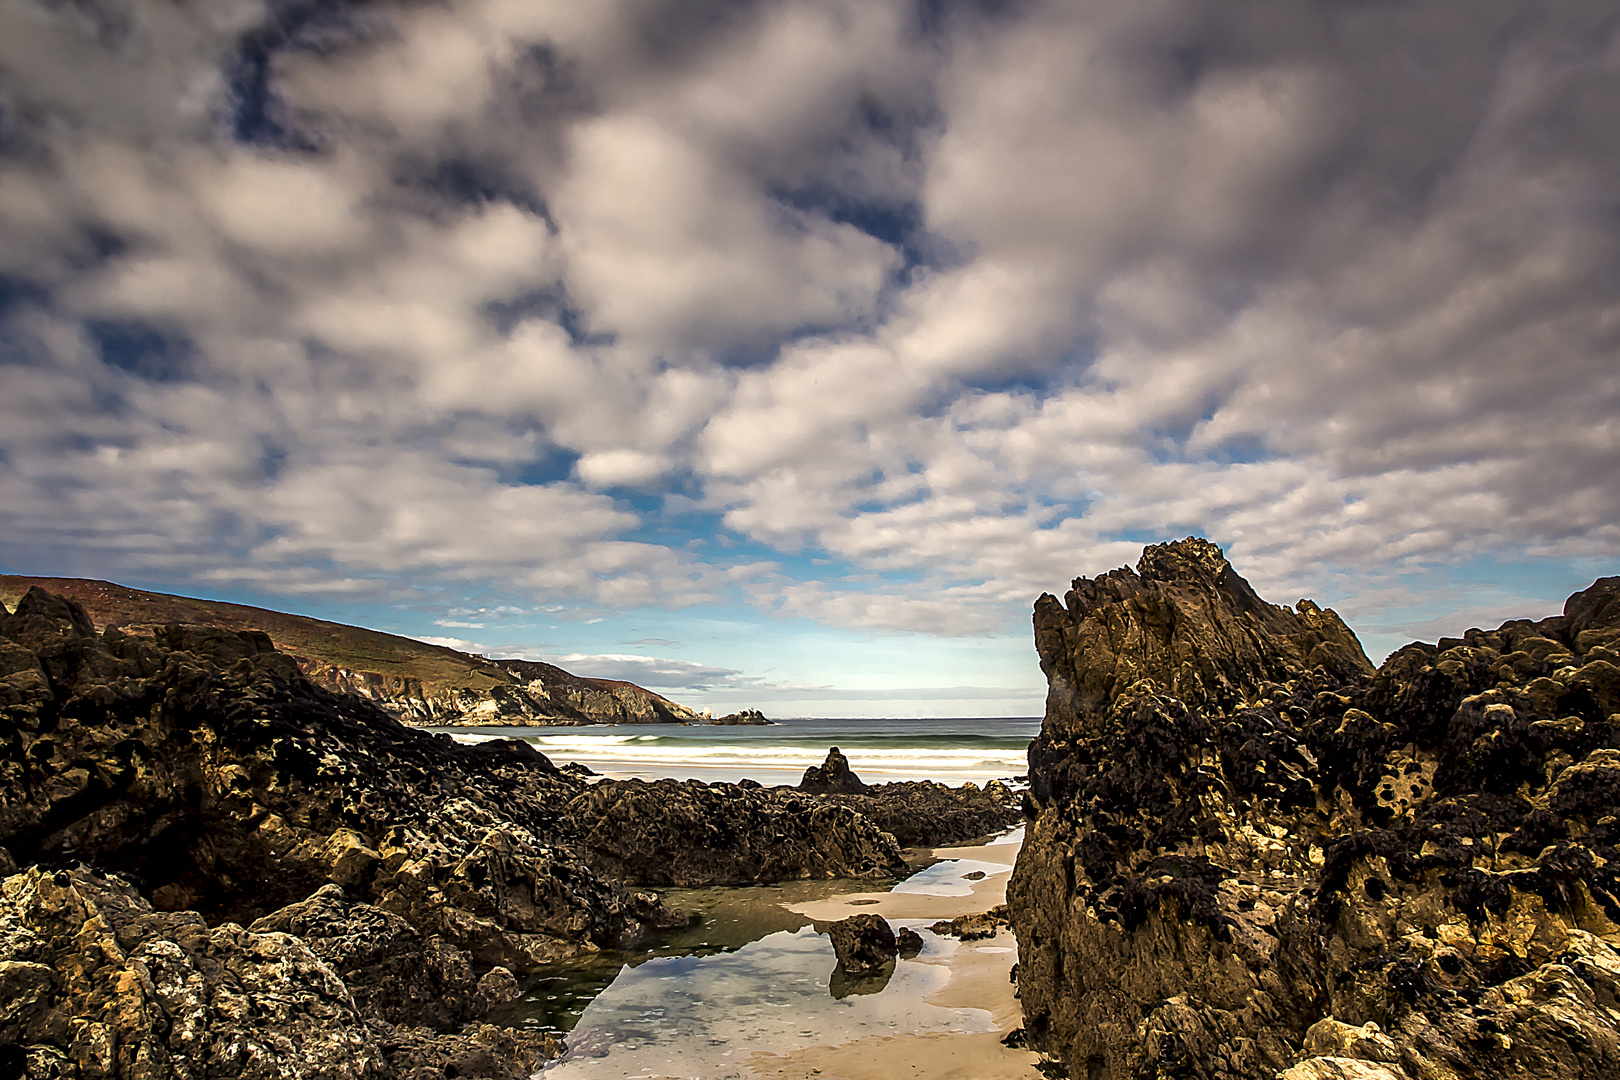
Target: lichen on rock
(1251, 853)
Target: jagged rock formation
(1252, 854)
(831, 777)
(418, 682)
(97, 984)
(393, 881)
(923, 813)
(689, 833)
(747, 717)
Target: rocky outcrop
(97, 984)
(1252, 855)
(669, 832)
(212, 785)
(160, 792)
(831, 777)
(923, 813)
(748, 718)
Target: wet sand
(978, 978)
(752, 990)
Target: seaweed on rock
(1251, 854)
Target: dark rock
(672, 833)
(486, 1052)
(1252, 855)
(922, 813)
(909, 942)
(831, 777)
(499, 987)
(974, 927)
(863, 943)
(393, 972)
(204, 764)
(748, 717)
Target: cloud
(815, 307)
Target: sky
(780, 354)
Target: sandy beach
(978, 978)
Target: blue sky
(781, 353)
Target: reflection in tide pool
(703, 1016)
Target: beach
(714, 1005)
(978, 978)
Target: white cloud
(1336, 287)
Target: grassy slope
(349, 647)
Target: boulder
(831, 777)
(693, 834)
(393, 972)
(864, 943)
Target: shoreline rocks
(160, 793)
(831, 777)
(1253, 855)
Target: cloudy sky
(781, 353)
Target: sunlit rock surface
(1250, 853)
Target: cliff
(1252, 855)
(419, 683)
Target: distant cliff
(1251, 855)
(417, 682)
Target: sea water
(951, 751)
(751, 975)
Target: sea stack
(1251, 855)
(832, 777)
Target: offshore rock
(747, 717)
(690, 833)
(1251, 855)
(832, 776)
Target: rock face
(831, 777)
(690, 833)
(1250, 853)
(97, 984)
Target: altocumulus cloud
(886, 314)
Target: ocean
(952, 751)
(755, 977)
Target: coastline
(979, 977)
